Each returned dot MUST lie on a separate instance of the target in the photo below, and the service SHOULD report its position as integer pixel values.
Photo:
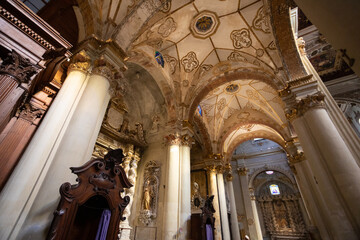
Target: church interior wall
(229, 97)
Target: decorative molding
(190, 62)
(167, 27)
(302, 81)
(241, 38)
(18, 67)
(261, 21)
(25, 29)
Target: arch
(166, 89)
(204, 133)
(253, 117)
(195, 95)
(256, 134)
(285, 41)
(273, 168)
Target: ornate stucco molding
(302, 106)
(80, 61)
(187, 140)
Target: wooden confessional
(100, 184)
(204, 222)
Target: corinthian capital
(243, 171)
(187, 140)
(172, 139)
(103, 68)
(296, 158)
(80, 61)
(18, 67)
(303, 105)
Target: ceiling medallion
(204, 24)
(232, 88)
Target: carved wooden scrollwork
(103, 178)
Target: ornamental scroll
(150, 193)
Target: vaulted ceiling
(221, 55)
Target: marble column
(214, 191)
(185, 186)
(20, 191)
(316, 220)
(75, 149)
(222, 202)
(235, 233)
(172, 194)
(130, 165)
(250, 206)
(329, 146)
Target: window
(274, 189)
(35, 5)
(199, 110)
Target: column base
(125, 232)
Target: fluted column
(22, 187)
(16, 73)
(185, 186)
(250, 206)
(172, 208)
(235, 233)
(130, 167)
(330, 151)
(222, 202)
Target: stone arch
(234, 122)
(256, 134)
(285, 41)
(195, 95)
(274, 168)
(161, 80)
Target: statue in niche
(148, 208)
(147, 197)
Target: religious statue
(147, 196)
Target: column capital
(172, 139)
(18, 67)
(29, 113)
(296, 158)
(187, 140)
(81, 61)
(242, 171)
(211, 168)
(305, 104)
(229, 177)
(103, 68)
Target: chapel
(179, 119)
